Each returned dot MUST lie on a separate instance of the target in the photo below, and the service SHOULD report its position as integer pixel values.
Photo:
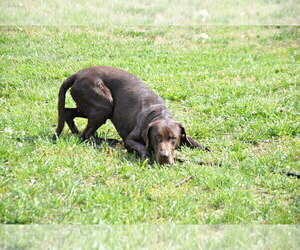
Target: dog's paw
(145, 155)
(54, 137)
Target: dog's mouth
(164, 160)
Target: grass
(155, 12)
(240, 85)
(162, 236)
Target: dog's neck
(159, 111)
(155, 112)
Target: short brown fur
(139, 115)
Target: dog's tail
(61, 104)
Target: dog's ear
(146, 134)
(190, 142)
(182, 136)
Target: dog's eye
(158, 138)
(172, 139)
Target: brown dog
(140, 116)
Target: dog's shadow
(114, 144)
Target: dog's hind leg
(94, 122)
(71, 114)
(95, 100)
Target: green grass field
(237, 91)
(149, 12)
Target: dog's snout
(164, 154)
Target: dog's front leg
(133, 145)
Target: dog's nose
(164, 154)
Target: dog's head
(163, 136)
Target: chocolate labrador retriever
(140, 116)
